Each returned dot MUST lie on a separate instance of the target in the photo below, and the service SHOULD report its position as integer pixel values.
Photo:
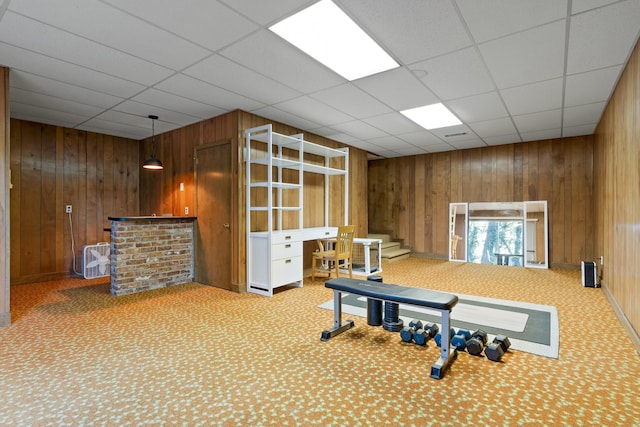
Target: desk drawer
(286, 250)
(285, 237)
(286, 270)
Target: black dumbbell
(497, 348)
(424, 334)
(476, 343)
(438, 337)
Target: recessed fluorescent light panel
(432, 116)
(327, 34)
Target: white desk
(276, 257)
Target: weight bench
(434, 300)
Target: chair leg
(350, 270)
(313, 269)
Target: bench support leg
(338, 326)
(446, 355)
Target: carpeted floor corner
(194, 355)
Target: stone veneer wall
(150, 254)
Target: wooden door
(213, 209)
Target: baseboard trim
(5, 319)
(626, 325)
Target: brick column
(150, 253)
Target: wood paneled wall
(160, 191)
(409, 196)
(617, 193)
(52, 167)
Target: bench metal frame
(447, 353)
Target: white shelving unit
(274, 252)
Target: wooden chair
(339, 257)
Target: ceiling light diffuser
(432, 116)
(327, 34)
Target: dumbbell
(438, 337)
(459, 340)
(424, 334)
(476, 343)
(407, 332)
(497, 348)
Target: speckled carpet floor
(193, 355)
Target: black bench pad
(395, 293)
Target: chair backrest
(344, 240)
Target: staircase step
(396, 255)
(383, 237)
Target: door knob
(225, 225)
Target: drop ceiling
(511, 71)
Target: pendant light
(153, 163)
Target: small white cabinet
(275, 166)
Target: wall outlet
(68, 209)
(186, 210)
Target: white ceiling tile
(527, 57)
(492, 19)
(602, 37)
(139, 124)
(266, 13)
(502, 139)
(398, 88)
(393, 123)
(463, 145)
(275, 58)
(387, 154)
(494, 128)
(53, 103)
(455, 75)
(544, 120)
(179, 104)
(440, 148)
(206, 93)
(587, 129)
(62, 71)
(390, 143)
(541, 96)
(340, 137)
(541, 135)
(227, 74)
(454, 133)
(38, 37)
(410, 151)
(95, 21)
(116, 128)
(286, 117)
(312, 110)
(592, 86)
(583, 114)
(206, 22)
(421, 138)
(578, 6)
(478, 107)
(58, 89)
(351, 100)
(411, 30)
(139, 109)
(45, 115)
(359, 130)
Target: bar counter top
(151, 218)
